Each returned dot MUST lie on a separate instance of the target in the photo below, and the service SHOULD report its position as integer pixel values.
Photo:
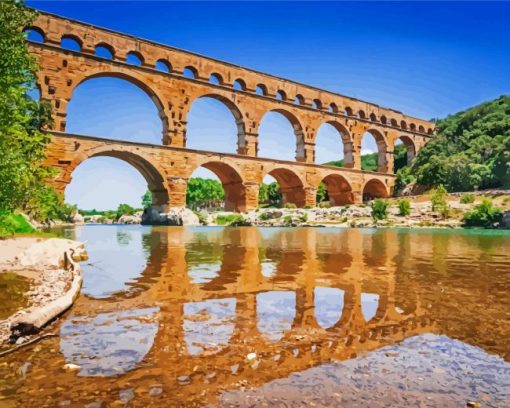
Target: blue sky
(425, 59)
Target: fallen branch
(32, 341)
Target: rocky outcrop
(505, 221)
(175, 216)
(131, 219)
(78, 219)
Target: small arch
(403, 124)
(394, 122)
(190, 72)
(239, 85)
(104, 50)
(430, 131)
(421, 129)
(134, 58)
(374, 188)
(299, 100)
(361, 114)
(328, 152)
(384, 120)
(348, 111)
(71, 43)
(34, 34)
(412, 126)
(261, 89)
(291, 186)
(232, 182)
(163, 66)
(339, 190)
(380, 145)
(316, 104)
(333, 108)
(373, 117)
(215, 79)
(281, 95)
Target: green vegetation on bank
(22, 144)
(485, 214)
(470, 151)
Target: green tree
(124, 209)
(204, 193)
(380, 209)
(147, 199)
(274, 194)
(22, 144)
(322, 193)
(404, 207)
(484, 214)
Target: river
(211, 316)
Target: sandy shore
(50, 266)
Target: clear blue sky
(425, 59)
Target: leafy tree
(322, 193)
(147, 199)
(404, 207)
(204, 193)
(263, 196)
(274, 194)
(22, 144)
(124, 209)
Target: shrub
(467, 198)
(307, 207)
(232, 220)
(485, 214)
(287, 220)
(239, 221)
(404, 207)
(11, 223)
(380, 209)
(290, 205)
(264, 216)
(438, 199)
(325, 204)
(303, 217)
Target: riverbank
(49, 266)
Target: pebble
(184, 379)
(126, 395)
(95, 404)
(23, 370)
(71, 367)
(234, 368)
(251, 356)
(155, 391)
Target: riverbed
(212, 316)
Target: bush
(404, 207)
(232, 220)
(303, 217)
(11, 223)
(380, 209)
(290, 205)
(467, 198)
(325, 204)
(439, 204)
(287, 220)
(307, 207)
(485, 214)
(264, 216)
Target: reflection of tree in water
(124, 238)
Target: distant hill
(471, 150)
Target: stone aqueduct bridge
(182, 77)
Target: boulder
(175, 216)
(77, 219)
(505, 221)
(130, 219)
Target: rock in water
(175, 216)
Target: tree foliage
(380, 209)
(471, 149)
(147, 200)
(22, 144)
(484, 214)
(204, 193)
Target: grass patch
(12, 223)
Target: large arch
(410, 152)
(150, 92)
(374, 188)
(238, 120)
(154, 176)
(345, 139)
(297, 129)
(291, 186)
(232, 182)
(339, 190)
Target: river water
(211, 316)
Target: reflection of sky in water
(208, 325)
(203, 273)
(116, 257)
(276, 311)
(369, 305)
(329, 303)
(110, 343)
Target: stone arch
(155, 176)
(298, 132)
(280, 95)
(291, 186)
(410, 146)
(107, 47)
(163, 65)
(382, 149)
(153, 95)
(374, 188)
(346, 138)
(34, 29)
(72, 38)
(339, 190)
(261, 90)
(238, 117)
(135, 58)
(232, 182)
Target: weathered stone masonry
(247, 93)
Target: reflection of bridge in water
(261, 305)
